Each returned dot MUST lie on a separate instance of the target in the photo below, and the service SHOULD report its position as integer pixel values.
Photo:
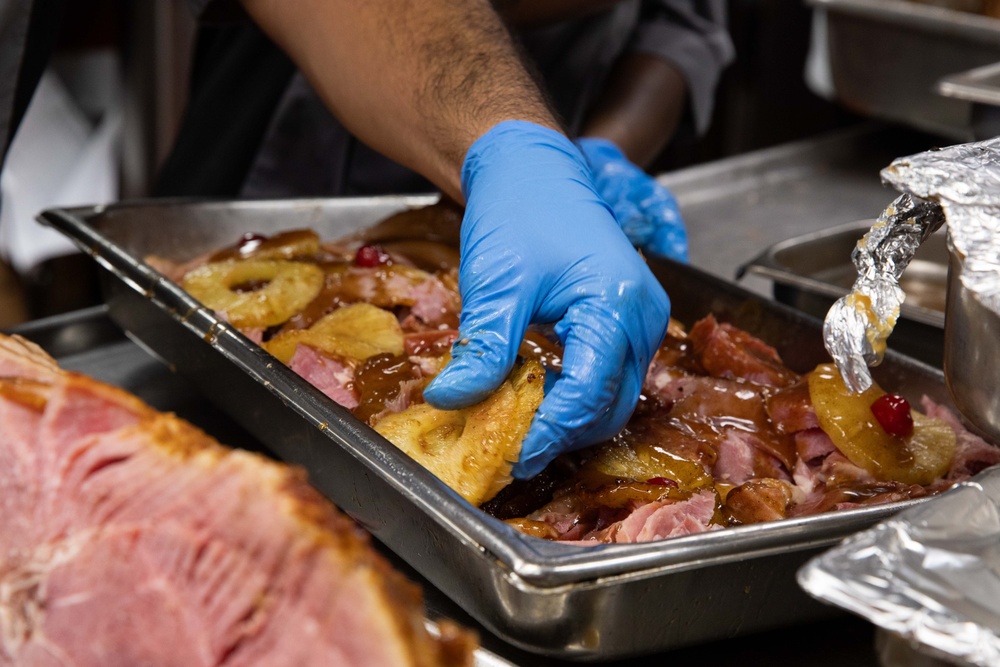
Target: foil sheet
(930, 575)
(959, 185)
(858, 325)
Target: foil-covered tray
(929, 577)
(581, 603)
(811, 271)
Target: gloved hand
(538, 244)
(645, 209)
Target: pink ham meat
(20, 358)
(728, 352)
(129, 537)
(972, 453)
(642, 522)
(722, 400)
(333, 377)
(660, 520)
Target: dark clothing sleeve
(691, 35)
(237, 79)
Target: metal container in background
(979, 87)
(596, 603)
(886, 58)
(972, 353)
(811, 271)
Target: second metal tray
(811, 271)
(573, 602)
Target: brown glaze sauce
(537, 346)
(378, 381)
(283, 245)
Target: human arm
(666, 76)
(640, 107)
(633, 120)
(419, 82)
(535, 13)
(439, 88)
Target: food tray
(559, 600)
(811, 271)
(886, 58)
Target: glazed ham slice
(729, 352)
(333, 377)
(129, 537)
(20, 358)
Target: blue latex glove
(645, 209)
(538, 244)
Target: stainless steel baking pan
(811, 271)
(886, 58)
(980, 87)
(572, 602)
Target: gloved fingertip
(550, 380)
(463, 382)
(450, 391)
(540, 447)
(528, 468)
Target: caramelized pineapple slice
(357, 331)
(255, 293)
(471, 450)
(643, 463)
(919, 458)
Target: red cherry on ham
(893, 413)
(661, 481)
(370, 256)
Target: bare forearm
(640, 108)
(419, 82)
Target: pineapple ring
(356, 331)
(288, 287)
(471, 450)
(920, 458)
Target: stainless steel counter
(737, 207)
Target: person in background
(624, 76)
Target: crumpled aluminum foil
(931, 574)
(959, 184)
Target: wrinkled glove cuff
(599, 152)
(504, 146)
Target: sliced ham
(758, 500)
(972, 453)
(791, 408)
(20, 358)
(333, 377)
(728, 352)
(812, 444)
(662, 519)
(744, 456)
(433, 303)
(129, 537)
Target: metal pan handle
(981, 88)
